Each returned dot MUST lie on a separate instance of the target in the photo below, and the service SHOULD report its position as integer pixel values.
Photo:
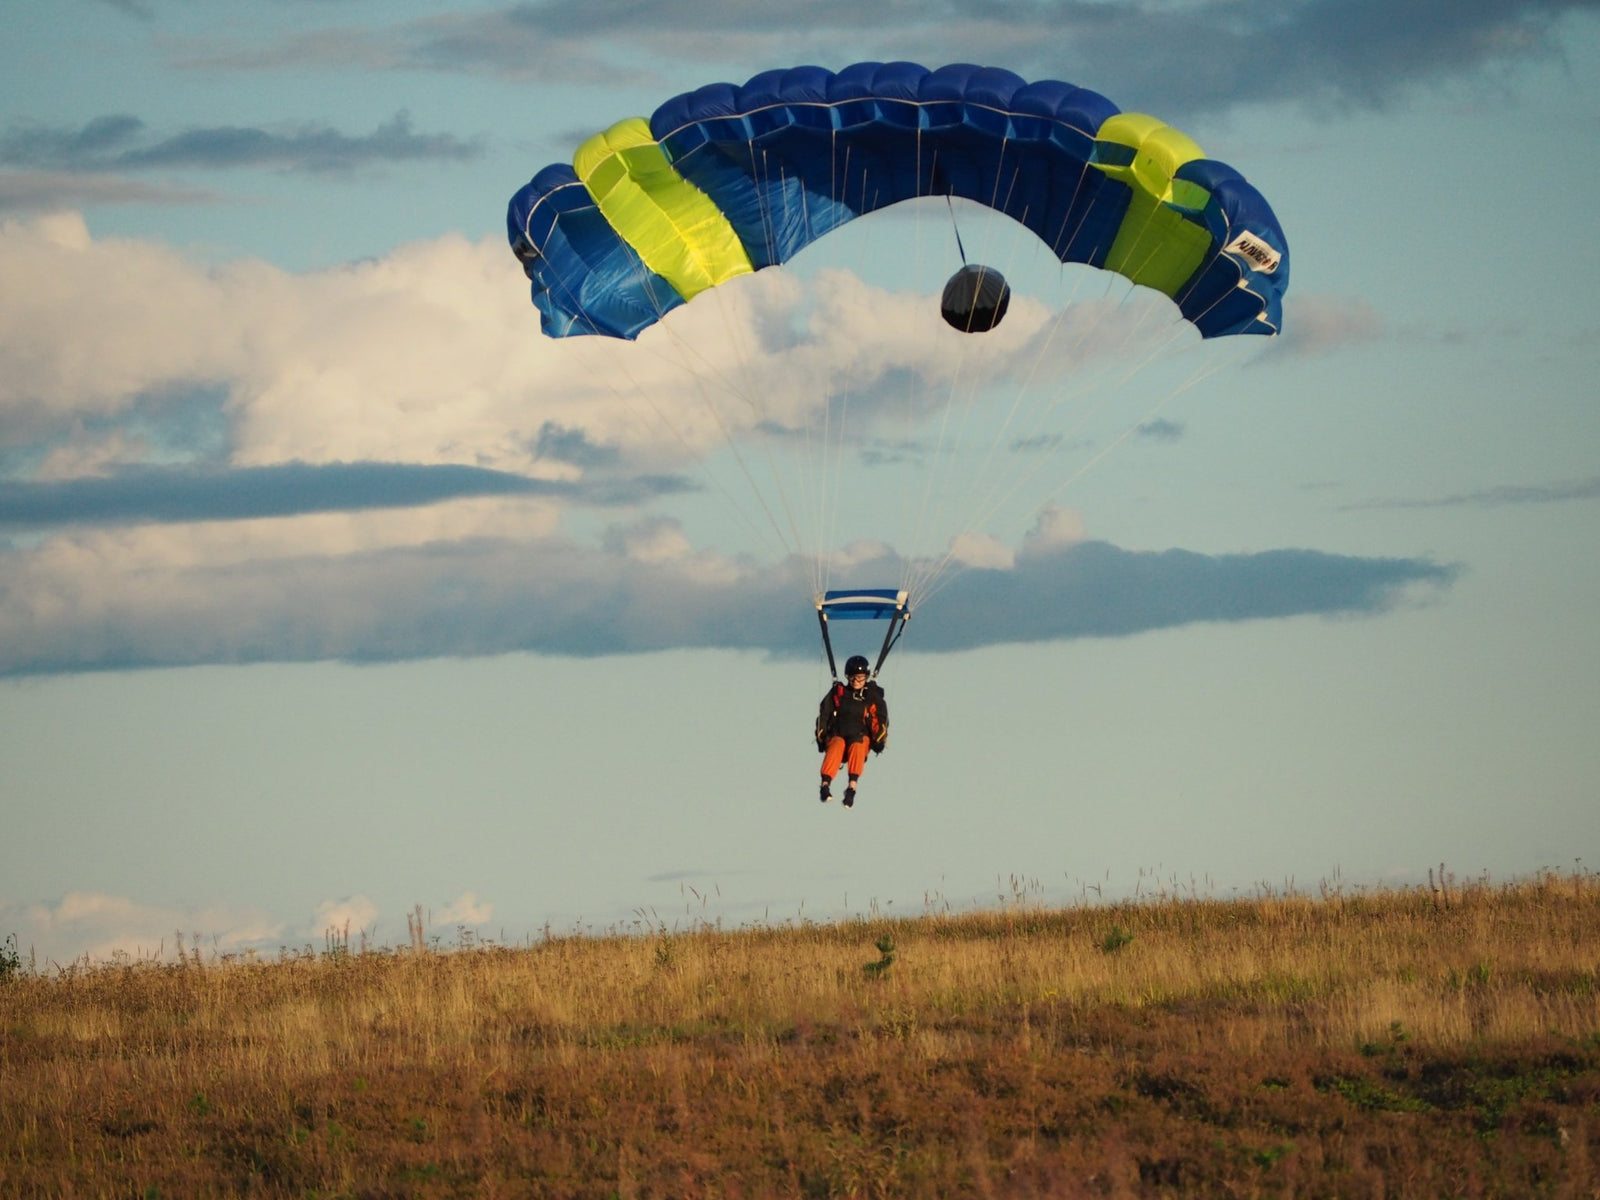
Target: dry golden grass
(1403, 1043)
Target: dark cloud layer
(133, 8)
(1210, 54)
(1098, 590)
(557, 443)
(1499, 497)
(120, 142)
(483, 597)
(196, 494)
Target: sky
(330, 587)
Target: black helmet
(856, 664)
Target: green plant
(885, 945)
(10, 960)
(1115, 940)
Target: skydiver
(853, 718)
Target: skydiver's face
(858, 678)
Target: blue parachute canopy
(727, 179)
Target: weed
(1115, 940)
(665, 953)
(885, 945)
(10, 960)
(1269, 1156)
(1397, 1038)
(1371, 1096)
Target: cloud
(429, 355)
(1319, 324)
(1497, 497)
(465, 909)
(1164, 57)
(99, 602)
(1161, 430)
(377, 462)
(118, 142)
(101, 926)
(432, 355)
(1055, 528)
(144, 494)
(1093, 589)
(981, 550)
(504, 42)
(571, 446)
(339, 918)
(652, 540)
(53, 191)
(133, 8)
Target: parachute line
(654, 212)
(955, 228)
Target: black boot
(827, 793)
(850, 796)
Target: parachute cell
(678, 233)
(727, 179)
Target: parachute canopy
(725, 180)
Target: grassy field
(1424, 1042)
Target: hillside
(1399, 1043)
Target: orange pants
(836, 753)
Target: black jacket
(854, 715)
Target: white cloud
(1317, 324)
(432, 354)
(350, 915)
(428, 355)
(102, 926)
(656, 539)
(465, 909)
(85, 326)
(981, 550)
(1055, 529)
(85, 455)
